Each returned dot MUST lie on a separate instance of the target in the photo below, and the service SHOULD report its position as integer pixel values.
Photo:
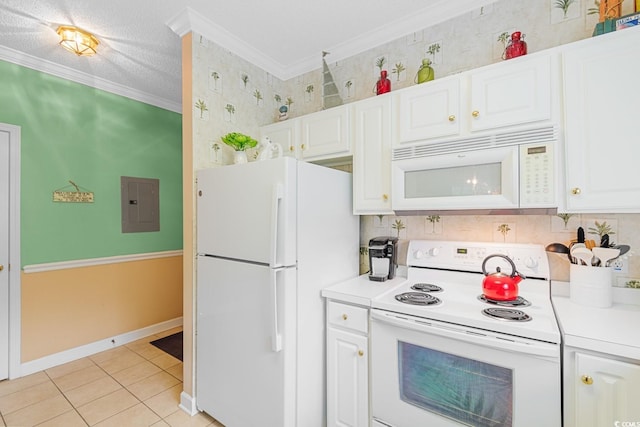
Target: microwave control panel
(537, 183)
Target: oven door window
(469, 391)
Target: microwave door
(479, 179)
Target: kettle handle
(514, 272)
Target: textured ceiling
(139, 52)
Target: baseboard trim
(188, 404)
(76, 353)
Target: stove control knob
(530, 262)
(434, 251)
(418, 254)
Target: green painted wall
(91, 137)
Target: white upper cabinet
(372, 156)
(430, 110)
(317, 136)
(510, 93)
(514, 92)
(602, 112)
(286, 134)
(325, 134)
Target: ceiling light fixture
(77, 41)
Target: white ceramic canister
(591, 286)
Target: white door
(4, 254)
(245, 343)
(247, 211)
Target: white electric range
(449, 363)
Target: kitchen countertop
(361, 290)
(612, 330)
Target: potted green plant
(239, 142)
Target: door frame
(14, 249)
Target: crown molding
(191, 21)
(422, 19)
(67, 73)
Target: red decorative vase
(516, 46)
(384, 84)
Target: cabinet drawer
(348, 316)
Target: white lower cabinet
(347, 365)
(600, 390)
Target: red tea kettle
(499, 286)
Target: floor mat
(171, 344)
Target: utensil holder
(591, 286)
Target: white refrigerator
(270, 235)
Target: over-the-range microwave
(502, 172)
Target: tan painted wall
(64, 309)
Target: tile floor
(134, 385)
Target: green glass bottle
(425, 73)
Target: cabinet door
(429, 110)
(285, 133)
(372, 156)
(513, 92)
(326, 134)
(601, 124)
(606, 391)
(347, 379)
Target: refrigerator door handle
(275, 214)
(276, 337)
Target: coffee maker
(383, 258)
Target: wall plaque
(73, 196)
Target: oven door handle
(470, 335)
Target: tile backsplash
(537, 229)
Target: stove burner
(426, 287)
(506, 314)
(518, 302)
(417, 298)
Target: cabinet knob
(344, 317)
(586, 379)
(475, 113)
(360, 353)
(385, 197)
(1, 267)
(302, 147)
(452, 118)
(292, 148)
(575, 191)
